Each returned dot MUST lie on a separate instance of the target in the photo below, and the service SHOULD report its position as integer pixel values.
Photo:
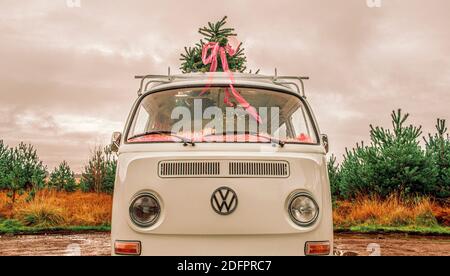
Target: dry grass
(40, 214)
(51, 208)
(391, 212)
(5, 206)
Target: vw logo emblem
(224, 201)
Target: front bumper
(226, 245)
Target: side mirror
(115, 141)
(325, 142)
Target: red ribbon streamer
(216, 49)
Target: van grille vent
(189, 168)
(259, 169)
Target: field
(81, 222)
(416, 216)
(345, 245)
(52, 211)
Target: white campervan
(213, 165)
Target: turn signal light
(127, 248)
(317, 248)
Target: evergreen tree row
(21, 171)
(394, 162)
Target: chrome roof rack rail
(147, 80)
(284, 80)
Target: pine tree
(394, 163)
(4, 159)
(99, 173)
(334, 175)
(400, 164)
(214, 32)
(438, 151)
(355, 172)
(24, 172)
(62, 178)
(111, 167)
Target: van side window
(300, 122)
(141, 124)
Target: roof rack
(147, 80)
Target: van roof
(291, 84)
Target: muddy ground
(346, 244)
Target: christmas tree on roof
(214, 32)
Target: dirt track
(99, 244)
(392, 245)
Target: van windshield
(217, 116)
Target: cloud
(66, 74)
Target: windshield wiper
(281, 143)
(185, 140)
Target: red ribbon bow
(216, 49)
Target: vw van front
(209, 169)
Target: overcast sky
(66, 74)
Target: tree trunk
(13, 198)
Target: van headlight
(303, 209)
(145, 210)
